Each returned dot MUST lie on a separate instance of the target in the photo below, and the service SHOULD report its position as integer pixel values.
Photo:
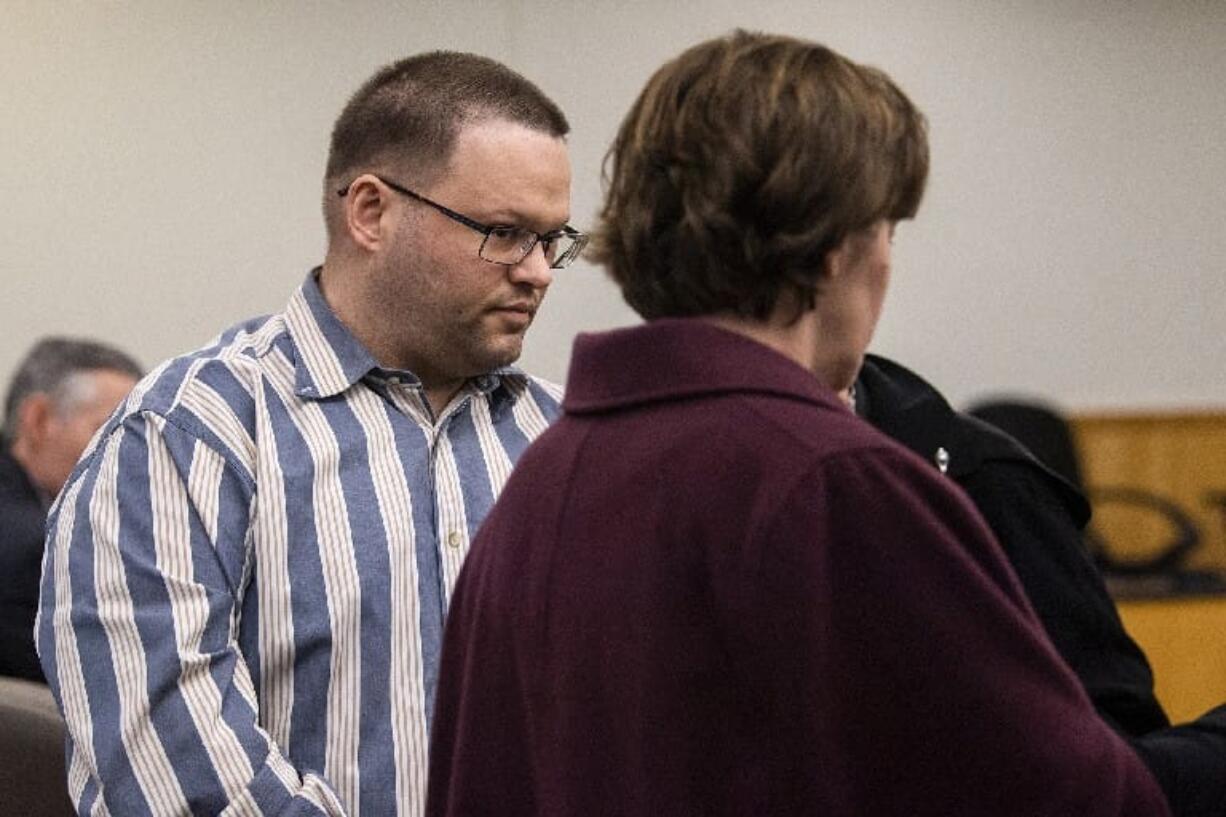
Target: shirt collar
(330, 359)
(678, 358)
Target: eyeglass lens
(511, 245)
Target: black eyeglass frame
(487, 230)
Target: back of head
(406, 117)
(744, 162)
(50, 368)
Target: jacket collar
(904, 406)
(677, 358)
(15, 480)
(330, 359)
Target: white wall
(160, 164)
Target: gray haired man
(62, 392)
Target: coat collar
(678, 358)
(907, 408)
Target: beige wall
(160, 163)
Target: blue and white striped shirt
(246, 576)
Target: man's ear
(364, 207)
(34, 415)
(835, 262)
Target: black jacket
(22, 520)
(1038, 518)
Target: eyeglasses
(505, 244)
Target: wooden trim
(1177, 455)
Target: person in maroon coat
(710, 588)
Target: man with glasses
(247, 578)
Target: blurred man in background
(62, 392)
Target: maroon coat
(710, 589)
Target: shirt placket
(450, 521)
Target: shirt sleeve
(147, 559)
(885, 586)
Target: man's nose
(533, 269)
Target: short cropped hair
(50, 367)
(742, 164)
(409, 113)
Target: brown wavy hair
(742, 164)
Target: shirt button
(453, 538)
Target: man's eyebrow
(511, 217)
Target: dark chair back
(32, 778)
(1040, 428)
(1045, 431)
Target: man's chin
(502, 352)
